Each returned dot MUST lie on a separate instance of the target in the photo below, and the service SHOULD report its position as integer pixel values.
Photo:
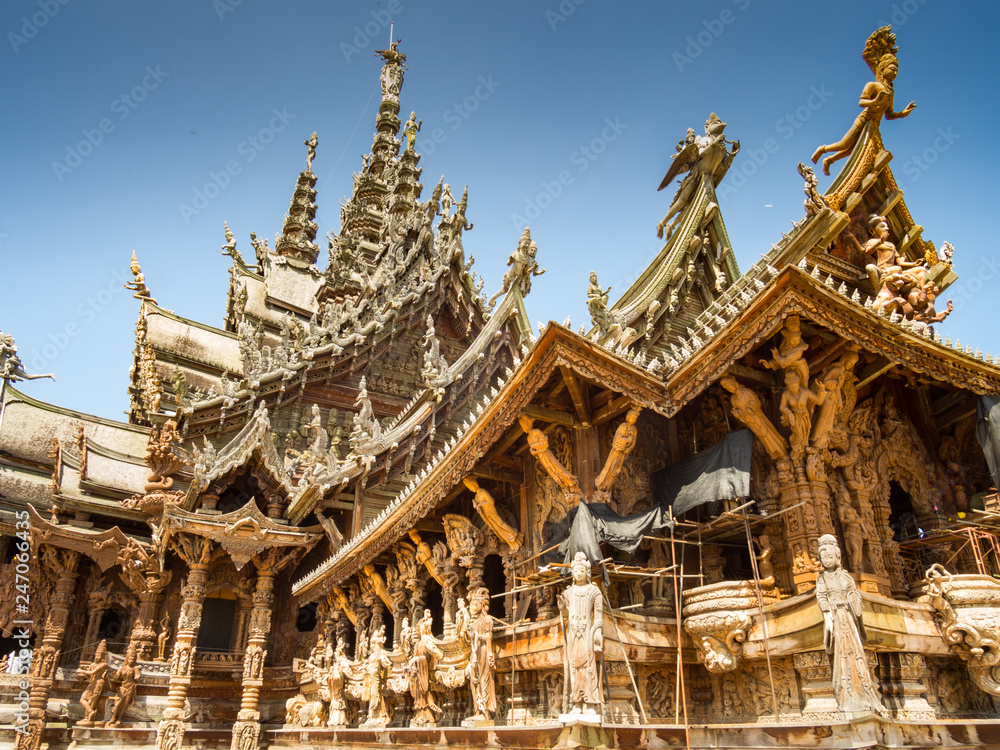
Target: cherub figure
(876, 98)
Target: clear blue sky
(517, 91)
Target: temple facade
(741, 509)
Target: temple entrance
(217, 617)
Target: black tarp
(594, 523)
(988, 433)
(720, 473)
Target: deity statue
(164, 636)
(621, 446)
(797, 405)
(138, 285)
(852, 526)
(425, 556)
(486, 506)
(340, 668)
(11, 367)
(96, 675)
(523, 267)
(311, 143)
(482, 665)
(844, 632)
(597, 305)
(876, 97)
(699, 156)
(410, 130)
(426, 711)
(583, 607)
(765, 568)
(127, 678)
(374, 679)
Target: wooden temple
(349, 516)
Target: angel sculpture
(699, 156)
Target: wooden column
(58, 570)
(246, 730)
(197, 552)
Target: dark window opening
(217, 617)
(305, 620)
(902, 517)
(496, 581)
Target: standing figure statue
(482, 665)
(410, 130)
(844, 633)
(164, 636)
(584, 609)
(336, 676)
(311, 142)
(420, 669)
(374, 679)
(876, 97)
(127, 678)
(96, 675)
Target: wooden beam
(486, 471)
(550, 415)
(758, 376)
(960, 412)
(931, 433)
(879, 367)
(612, 410)
(577, 392)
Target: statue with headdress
(699, 156)
(876, 98)
(482, 664)
(582, 606)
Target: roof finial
(392, 71)
(139, 284)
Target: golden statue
(876, 98)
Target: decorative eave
(252, 443)
(793, 291)
(243, 533)
(100, 546)
(556, 347)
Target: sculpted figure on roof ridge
(876, 97)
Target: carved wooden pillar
(400, 599)
(58, 568)
(144, 628)
(246, 730)
(97, 605)
(197, 551)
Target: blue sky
(520, 94)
